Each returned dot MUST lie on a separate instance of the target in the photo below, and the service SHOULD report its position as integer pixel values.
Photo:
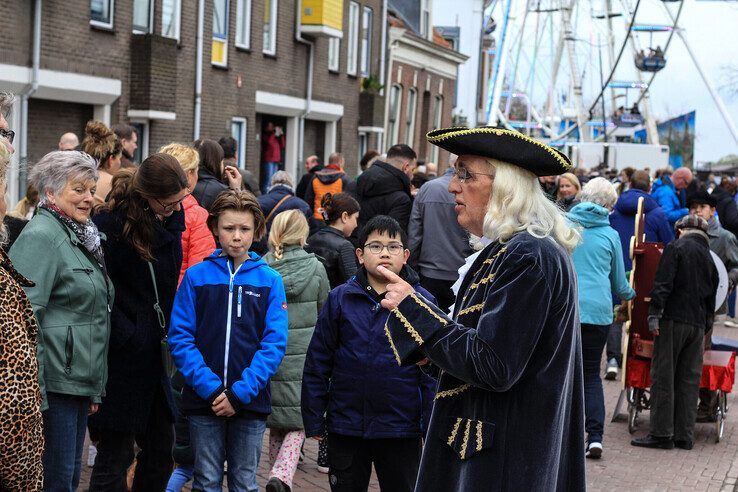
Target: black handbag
(166, 357)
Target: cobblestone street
(709, 466)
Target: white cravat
(464, 269)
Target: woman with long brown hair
(143, 221)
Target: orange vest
(320, 190)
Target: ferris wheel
(579, 70)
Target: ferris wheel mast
(575, 79)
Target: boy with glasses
(374, 411)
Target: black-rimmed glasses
(376, 248)
(463, 174)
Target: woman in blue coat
(598, 261)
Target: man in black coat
(509, 409)
(384, 188)
(682, 309)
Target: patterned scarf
(87, 233)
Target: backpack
(320, 189)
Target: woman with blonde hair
(569, 188)
(306, 285)
(102, 144)
(197, 240)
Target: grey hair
(599, 191)
(282, 178)
(6, 103)
(56, 169)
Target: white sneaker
(730, 323)
(612, 370)
(594, 450)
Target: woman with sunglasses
(143, 221)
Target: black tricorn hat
(504, 145)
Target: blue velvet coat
(509, 410)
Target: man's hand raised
(397, 289)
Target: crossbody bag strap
(159, 313)
(284, 199)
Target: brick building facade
(118, 62)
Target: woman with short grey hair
(598, 261)
(60, 251)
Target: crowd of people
(181, 316)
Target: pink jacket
(197, 240)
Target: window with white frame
(219, 52)
(425, 18)
(393, 126)
(243, 24)
(437, 123)
(363, 147)
(366, 41)
(353, 38)
(270, 27)
(334, 54)
(170, 16)
(142, 133)
(142, 16)
(101, 13)
(412, 101)
(238, 132)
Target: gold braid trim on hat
(433, 313)
(452, 392)
(454, 431)
(392, 345)
(413, 333)
(499, 132)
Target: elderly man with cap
(509, 411)
(724, 244)
(681, 311)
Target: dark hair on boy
(211, 156)
(382, 224)
(335, 205)
(228, 144)
(238, 201)
(402, 151)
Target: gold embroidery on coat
(471, 309)
(452, 392)
(454, 431)
(433, 313)
(479, 436)
(392, 345)
(416, 336)
(465, 442)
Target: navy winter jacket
(229, 332)
(352, 374)
(622, 219)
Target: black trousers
(115, 453)
(676, 369)
(350, 462)
(441, 290)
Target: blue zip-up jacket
(665, 193)
(599, 264)
(352, 375)
(622, 219)
(229, 332)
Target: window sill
(219, 66)
(334, 72)
(270, 55)
(243, 49)
(101, 27)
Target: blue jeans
(180, 476)
(65, 423)
(267, 171)
(216, 440)
(593, 342)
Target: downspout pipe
(198, 68)
(308, 85)
(27, 94)
(383, 48)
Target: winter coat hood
(220, 259)
(627, 204)
(590, 215)
(297, 273)
(328, 176)
(382, 179)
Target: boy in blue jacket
(228, 335)
(374, 411)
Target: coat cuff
(406, 337)
(235, 402)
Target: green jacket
(71, 302)
(306, 286)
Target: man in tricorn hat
(509, 411)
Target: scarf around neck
(87, 233)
